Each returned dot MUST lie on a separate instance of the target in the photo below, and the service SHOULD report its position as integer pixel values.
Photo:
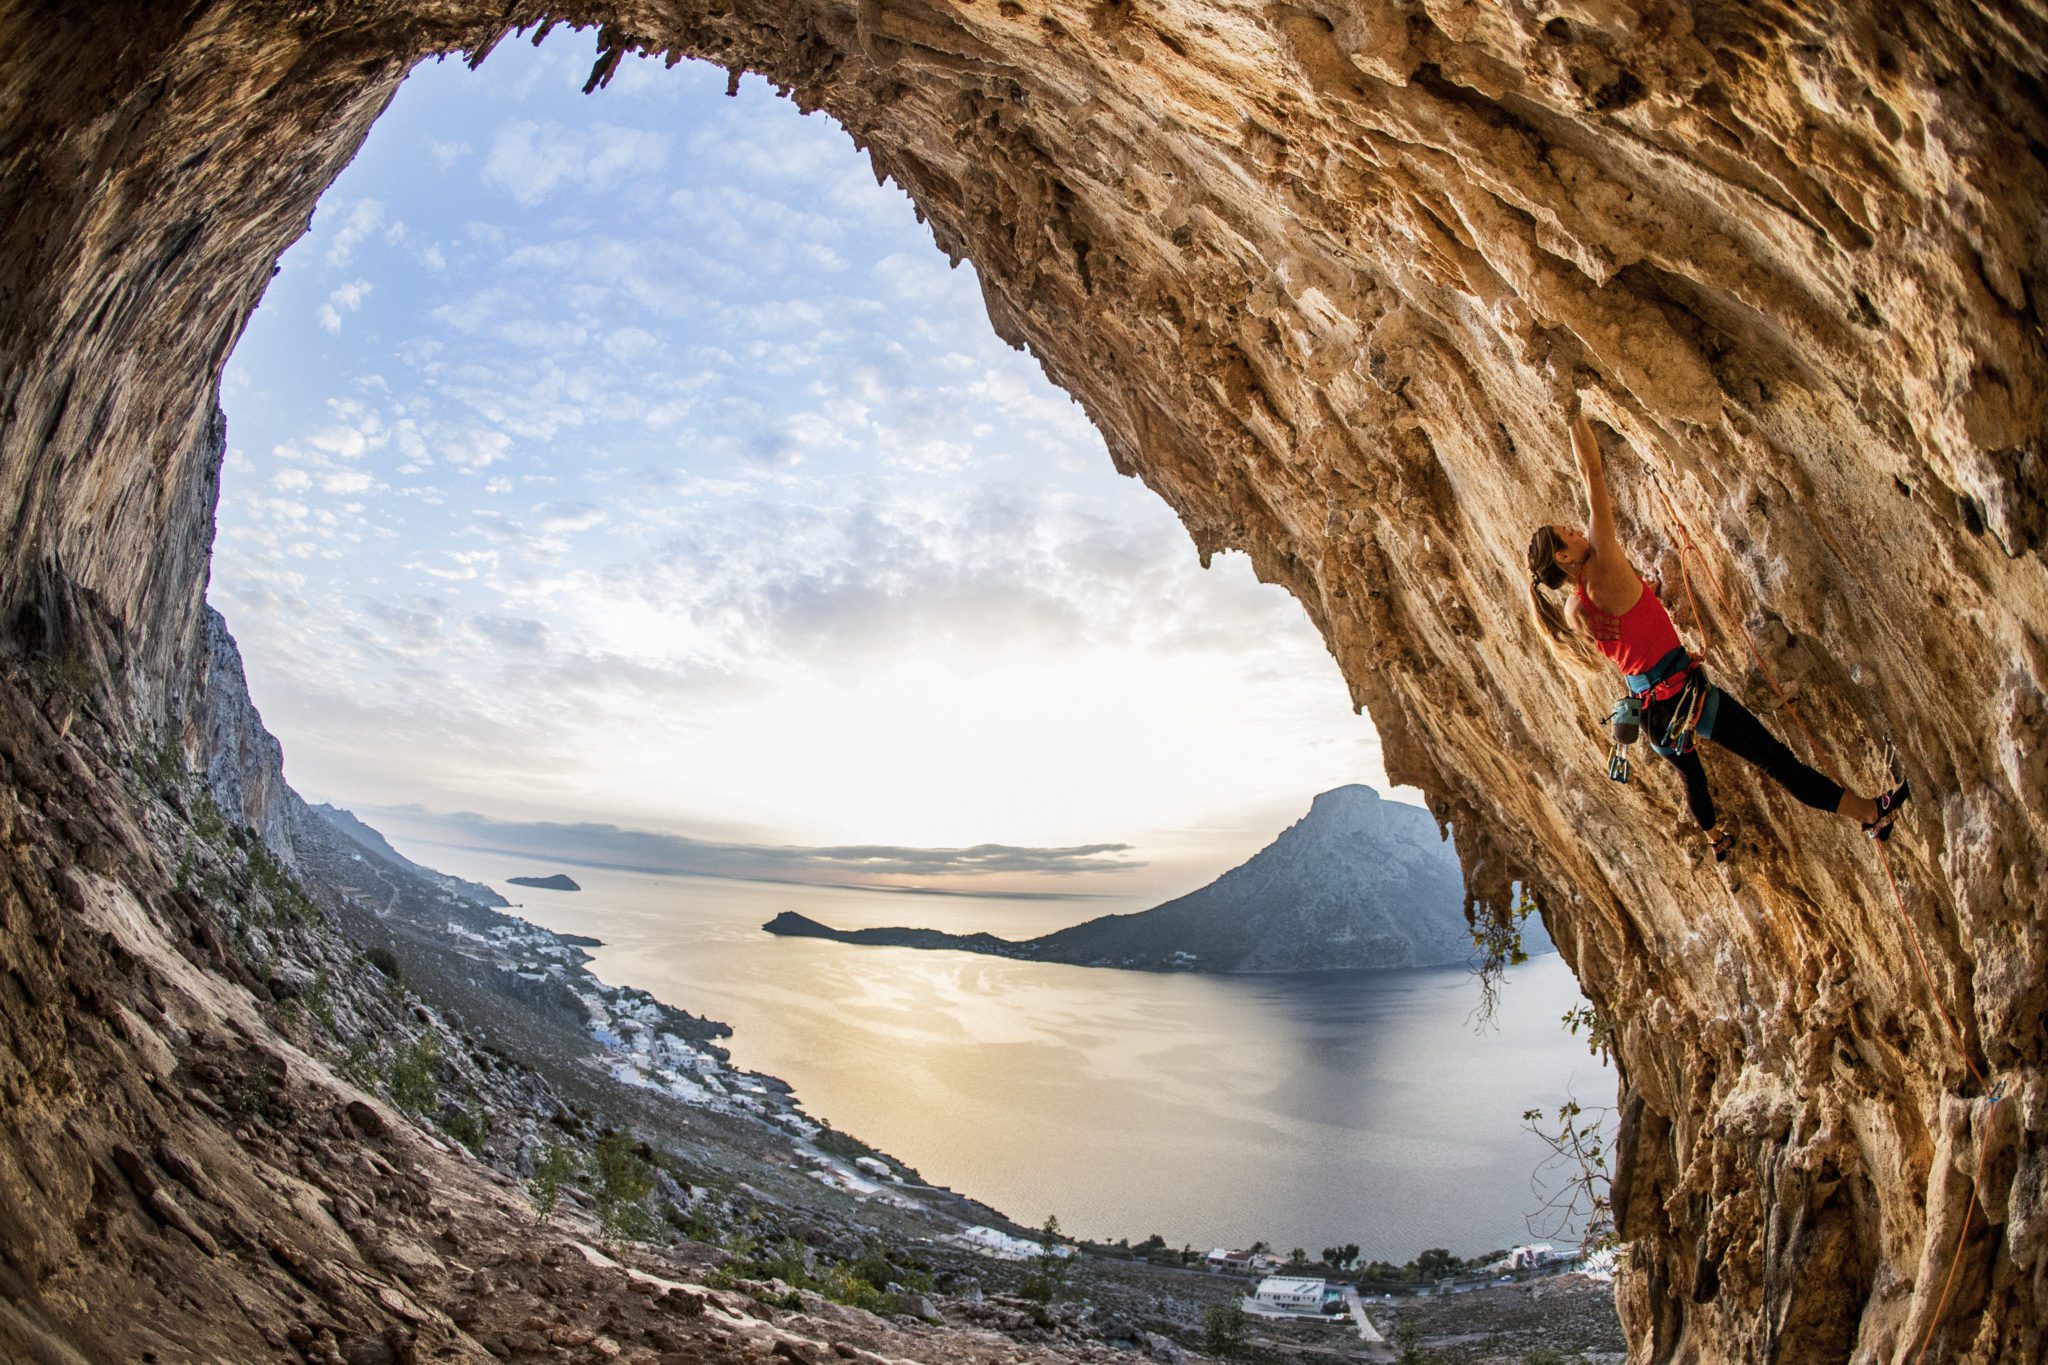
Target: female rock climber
(1614, 610)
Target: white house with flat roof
(1289, 1295)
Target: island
(1358, 882)
(558, 882)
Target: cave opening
(591, 440)
(635, 454)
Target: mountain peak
(1349, 797)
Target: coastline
(987, 1076)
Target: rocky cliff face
(1320, 273)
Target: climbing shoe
(1888, 804)
(1722, 839)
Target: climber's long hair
(1544, 573)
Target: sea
(1303, 1110)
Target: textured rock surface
(1320, 272)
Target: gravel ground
(1567, 1318)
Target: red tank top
(1637, 638)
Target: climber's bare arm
(1609, 575)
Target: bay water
(1309, 1110)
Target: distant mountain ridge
(1356, 882)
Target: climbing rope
(1955, 1258)
(1688, 548)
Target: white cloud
(457, 566)
(347, 481)
(362, 220)
(348, 298)
(559, 517)
(530, 160)
(543, 336)
(473, 448)
(345, 441)
(630, 343)
(913, 277)
(469, 313)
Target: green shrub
(785, 1261)
(1050, 1267)
(284, 892)
(161, 765)
(842, 1283)
(695, 1223)
(624, 1180)
(255, 1095)
(415, 1081)
(359, 1063)
(469, 1125)
(317, 1002)
(1223, 1331)
(557, 1164)
(207, 821)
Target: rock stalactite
(1322, 275)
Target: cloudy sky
(636, 460)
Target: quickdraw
(1692, 718)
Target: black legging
(1742, 734)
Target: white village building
(1290, 1295)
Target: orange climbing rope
(1687, 547)
(1955, 1259)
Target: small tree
(557, 1164)
(416, 1075)
(1573, 1181)
(624, 1180)
(1497, 943)
(1223, 1331)
(1437, 1262)
(1051, 1264)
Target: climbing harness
(1993, 1093)
(1691, 717)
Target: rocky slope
(259, 1112)
(1357, 882)
(1321, 273)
